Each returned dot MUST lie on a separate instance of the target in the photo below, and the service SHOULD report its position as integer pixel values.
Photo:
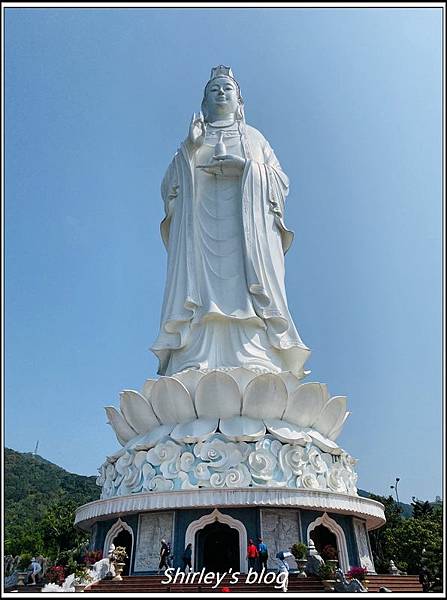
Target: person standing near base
(263, 554)
(252, 554)
(35, 570)
(187, 556)
(165, 551)
(283, 569)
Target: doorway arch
(217, 517)
(322, 536)
(120, 534)
(217, 548)
(334, 528)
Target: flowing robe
(225, 301)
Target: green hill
(31, 485)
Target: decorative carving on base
(365, 554)
(219, 462)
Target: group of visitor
(167, 558)
(257, 555)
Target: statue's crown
(221, 70)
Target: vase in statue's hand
(196, 134)
(225, 165)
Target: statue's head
(222, 94)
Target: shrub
(56, 574)
(326, 571)
(82, 574)
(25, 560)
(357, 573)
(92, 556)
(299, 551)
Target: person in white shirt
(35, 570)
(283, 568)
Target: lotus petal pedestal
(253, 452)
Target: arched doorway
(322, 536)
(114, 537)
(124, 539)
(217, 547)
(337, 531)
(195, 527)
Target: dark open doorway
(217, 548)
(322, 536)
(124, 538)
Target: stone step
(199, 589)
(27, 589)
(152, 584)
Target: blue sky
(96, 103)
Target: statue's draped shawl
(264, 187)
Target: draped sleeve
(169, 192)
(181, 296)
(264, 190)
(278, 184)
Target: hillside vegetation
(34, 488)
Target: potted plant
(326, 572)
(82, 578)
(118, 557)
(299, 552)
(330, 555)
(21, 577)
(23, 569)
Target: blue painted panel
(93, 537)
(345, 522)
(102, 527)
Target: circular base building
(266, 465)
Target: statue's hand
(196, 130)
(227, 165)
(232, 164)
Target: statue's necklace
(221, 124)
(222, 128)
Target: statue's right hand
(196, 130)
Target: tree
(406, 542)
(404, 539)
(57, 527)
(421, 509)
(378, 537)
(24, 538)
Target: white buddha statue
(225, 301)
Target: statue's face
(222, 96)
